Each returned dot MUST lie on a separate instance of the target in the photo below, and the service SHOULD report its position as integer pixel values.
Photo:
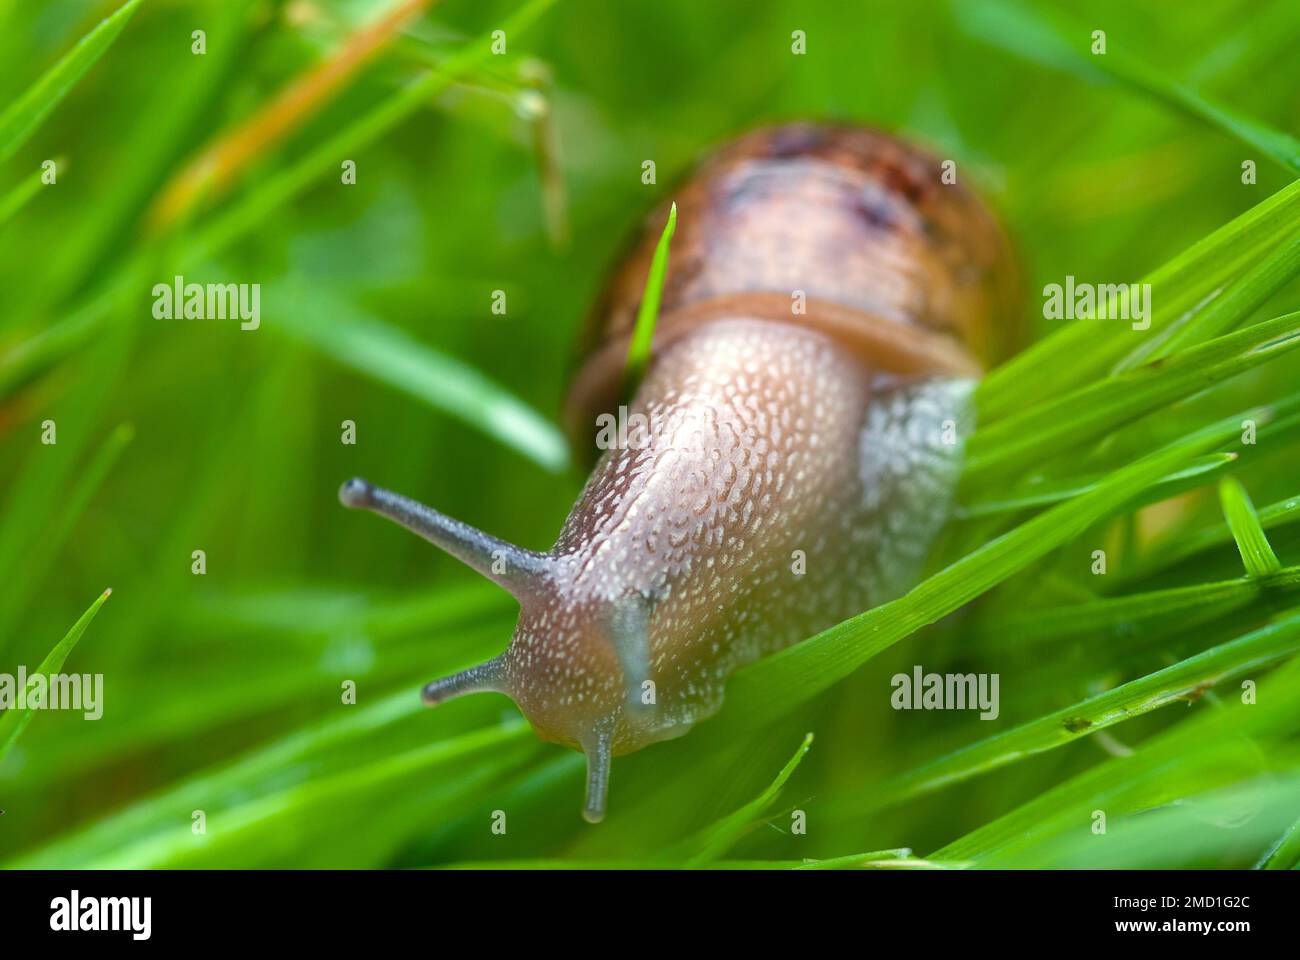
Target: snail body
(791, 451)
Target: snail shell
(788, 457)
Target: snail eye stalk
(599, 751)
(518, 570)
(487, 677)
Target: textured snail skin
(780, 470)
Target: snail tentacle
(514, 568)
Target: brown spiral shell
(906, 270)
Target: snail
(790, 452)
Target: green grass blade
(161, 130)
(27, 113)
(344, 739)
(1184, 680)
(638, 351)
(194, 702)
(1177, 607)
(447, 776)
(1053, 42)
(1285, 854)
(1198, 754)
(857, 859)
(715, 840)
(37, 558)
(1075, 418)
(391, 356)
(875, 859)
(1224, 311)
(17, 198)
(1080, 352)
(14, 721)
(38, 513)
(292, 801)
(897, 859)
(60, 338)
(1048, 492)
(1217, 822)
(1194, 542)
(1243, 521)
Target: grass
(1243, 521)
(647, 314)
(1059, 42)
(1162, 692)
(364, 343)
(24, 115)
(15, 719)
(1185, 680)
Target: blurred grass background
(223, 690)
